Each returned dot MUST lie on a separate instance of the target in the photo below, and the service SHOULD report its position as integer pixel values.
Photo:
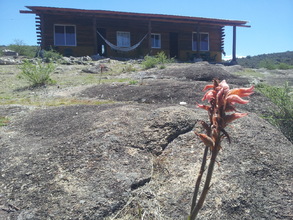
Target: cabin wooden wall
(84, 34)
(137, 29)
(86, 41)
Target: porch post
(233, 61)
(95, 36)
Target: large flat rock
(83, 161)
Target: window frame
(160, 42)
(119, 41)
(64, 27)
(200, 49)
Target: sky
(271, 21)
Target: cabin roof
(132, 15)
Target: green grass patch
(3, 121)
(129, 68)
(38, 102)
(249, 72)
(73, 101)
(15, 90)
(282, 97)
(133, 82)
(85, 79)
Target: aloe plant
(221, 100)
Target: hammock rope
(124, 49)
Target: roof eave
(157, 17)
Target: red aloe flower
(234, 116)
(224, 85)
(221, 100)
(242, 92)
(209, 95)
(206, 140)
(208, 87)
(205, 107)
(235, 99)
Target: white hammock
(124, 49)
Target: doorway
(173, 45)
(101, 44)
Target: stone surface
(9, 61)
(84, 161)
(7, 52)
(139, 157)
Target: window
(156, 40)
(65, 35)
(123, 39)
(204, 41)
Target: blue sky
(271, 20)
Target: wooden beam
(42, 23)
(26, 12)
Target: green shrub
(153, 61)
(149, 62)
(3, 121)
(51, 55)
(37, 74)
(284, 66)
(268, 64)
(133, 82)
(22, 49)
(162, 58)
(277, 59)
(282, 117)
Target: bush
(162, 58)
(282, 117)
(284, 66)
(149, 62)
(22, 49)
(51, 55)
(268, 64)
(37, 74)
(153, 61)
(277, 59)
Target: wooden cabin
(76, 32)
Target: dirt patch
(151, 91)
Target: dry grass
(17, 91)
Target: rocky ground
(135, 155)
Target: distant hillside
(271, 61)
